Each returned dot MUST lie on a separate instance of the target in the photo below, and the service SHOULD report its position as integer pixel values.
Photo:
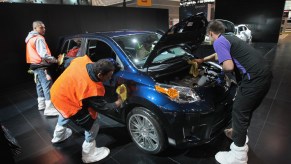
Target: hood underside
(190, 31)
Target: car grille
(203, 128)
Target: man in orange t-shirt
(39, 57)
(78, 94)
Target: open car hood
(190, 31)
(229, 26)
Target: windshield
(170, 55)
(137, 46)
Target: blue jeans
(43, 85)
(89, 135)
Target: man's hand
(199, 61)
(118, 102)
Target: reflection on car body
(165, 104)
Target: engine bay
(210, 74)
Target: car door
(98, 49)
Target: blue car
(171, 101)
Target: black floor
(269, 133)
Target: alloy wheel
(143, 132)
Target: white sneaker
(50, 110)
(41, 103)
(61, 133)
(236, 155)
(90, 153)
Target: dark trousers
(246, 101)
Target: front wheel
(146, 130)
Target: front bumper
(198, 128)
(208, 127)
(195, 128)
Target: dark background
(186, 11)
(16, 23)
(262, 17)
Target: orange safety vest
(31, 54)
(74, 85)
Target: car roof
(112, 34)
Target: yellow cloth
(194, 68)
(30, 71)
(122, 91)
(61, 59)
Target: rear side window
(65, 47)
(71, 47)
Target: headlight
(177, 93)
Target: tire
(146, 130)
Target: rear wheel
(146, 130)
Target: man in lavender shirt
(253, 75)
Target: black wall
(263, 17)
(16, 22)
(186, 11)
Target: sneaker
(51, 112)
(97, 155)
(236, 155)
(90, 153)
(58, 137)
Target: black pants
(83, 119)
(246, 101)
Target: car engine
(210, 75)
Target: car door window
(240, 29)
(245, 29)
(74, 47)
(97, 49)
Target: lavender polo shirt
(222, 48)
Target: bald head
(39, 27)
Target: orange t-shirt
(31, 54)
(74, 85)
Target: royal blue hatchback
(166, 104)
